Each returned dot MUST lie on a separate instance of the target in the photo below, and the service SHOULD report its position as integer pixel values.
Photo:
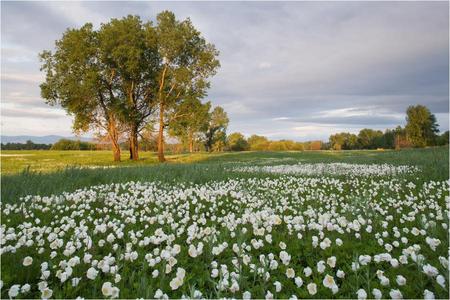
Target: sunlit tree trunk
(134, 154)
(161, 157)
(114, 138)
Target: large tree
(186, 63)
(189, 120)
(421, 127)
(215, 133)
(78, 81)
(129, 52)
(106, 78)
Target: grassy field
(49, 172)
(325, 224)
(347, 224)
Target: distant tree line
(421, 130)
(28, 145)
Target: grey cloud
(286, 59)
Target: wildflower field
(256, 225)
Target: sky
(289, 70)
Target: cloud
(317, 66)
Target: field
(347, 224)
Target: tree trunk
(191, 142)
(161, 157)
(134, 154)
(114, 138)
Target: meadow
(319, 224)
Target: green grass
(52, 172)
(346, 196)
(46, 161)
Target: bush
(65, 144)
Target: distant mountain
(46, 139)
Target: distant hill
(46, 139)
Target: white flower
(307, 271)
(298, 281)
(25, 288)
(75, 281)
(14, 291)
(246, 295)
(269, 295)
(277, 285)
(290, 273)
(175, 283)
(441, 280)
(340, 274)
(46, 293)
(282, 245)
(331, 261)
(395, 294)
(361, 293)
(115, 292)
(401, 280)
(107, 289)
(214, 273)
(430, 270)
(321, 266)
(339, 242)
(428, 295)
(158, 294)
(312, 288)
(91, 273)
(329, 282)
(27, 261)
(285, 257)
(377, 294)
(234, 287)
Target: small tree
(216, 130)
(190, 118)
(186, 62)
(258, 143)
(421, 127)
(237, 142)
(369, 138)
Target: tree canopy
(421, 127)
(116, 78)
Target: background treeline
(421, 130)
(29, 145)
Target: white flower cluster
(289, 237)
(313, 169)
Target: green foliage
(189, 121)
(443, 139)
(421, 127)
(187, 61)
(215, 134)
(113, 79)
(344, 141)
(258, 143)
(237, 142)
(65, 144)
(369, 138)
